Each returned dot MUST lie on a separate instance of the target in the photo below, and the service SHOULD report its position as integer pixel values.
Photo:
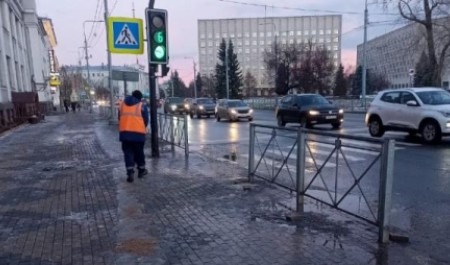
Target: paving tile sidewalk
(64, 200)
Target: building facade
(24, 57)
(99, 79)
(395, 53)
(251, 37)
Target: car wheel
(336, 125)
(217, 117)
(198, 116)
(250, 119)
(376, 128)
(431, 132)
(280, 121)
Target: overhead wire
(103, 28)
(95, 18)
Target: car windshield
(205, 101)
(175, 100)
(234, 104)
(313, 100)
(436, 97)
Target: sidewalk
(64, 200)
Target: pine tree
(340, 83)
(177, 85)
(199, 83)
(234, 72)
(424, 73)
(219, 76)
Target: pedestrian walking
(66, 105)
(133, 121)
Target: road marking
(319, 162)
(316, 152)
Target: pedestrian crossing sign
(125, 35)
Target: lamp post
(195, 75)
(87, 59)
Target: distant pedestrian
(78, 107)
(133, 121)
(74, 106)
(66, 105)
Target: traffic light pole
(153, 107)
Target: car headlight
(313, 112)
(173, 107)
(233, 111)
(201, 107)
(186, 106)
(445, 113)
(250, 111)
(341, 111)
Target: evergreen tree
(357, 82)
(177, 85)
(250, 84)
(199, 83)
(234, 72)
(424, 73)
(340, 83)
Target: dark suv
(308, 109)
(202, 107)
(175, 105)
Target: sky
(68, 17)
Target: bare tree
(250, 84)
(432, 16)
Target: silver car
(233, 110)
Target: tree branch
(411, 15)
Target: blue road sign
(126, 35)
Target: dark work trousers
(134, 154)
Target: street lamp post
(87, 60)
(195, 75)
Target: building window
(313, 32)
(336, 39)
(261, 42)
(284, 34)
(247, 50)
(335, 47)
(202, 52)
(210, 51)
(328, 31)
(247, 42)
(224, 35)
(210, 43)
(210, 35)
(269, 34)
(239, 43)
(218, 43)
(291, 41)
(255, 43)
(255, 50)
(239, 35)
(320, 40)
(328, 40)
(261, 34)
(202, 36)
(202, 44)
(239, 50)
(217, 35)
(283, 41)
(336, 31)
(306, 32)
(254, 35)
(232, 35)
(247, 34)
(299, 33)
(335, 56)
(291, 33)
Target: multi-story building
(395, 53)
(99, 78)
(252, 36)
(47, 24)
(24, 57)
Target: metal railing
(349, 173)
(348, 104)
(173, 130)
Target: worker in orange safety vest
(133, 122)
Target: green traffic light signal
(158, 37)
(159, 52)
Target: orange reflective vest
(131, 119)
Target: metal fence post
(171, 130)
(301, 157)
(251, 153)
(186, 138)
(385, 192)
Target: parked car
(308, 110)
(414, 110)
(233, 110)
(174, 105)
(202, 107)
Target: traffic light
(164, 70)
(157, 36)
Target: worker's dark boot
(130, 174)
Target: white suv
(413, 110)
